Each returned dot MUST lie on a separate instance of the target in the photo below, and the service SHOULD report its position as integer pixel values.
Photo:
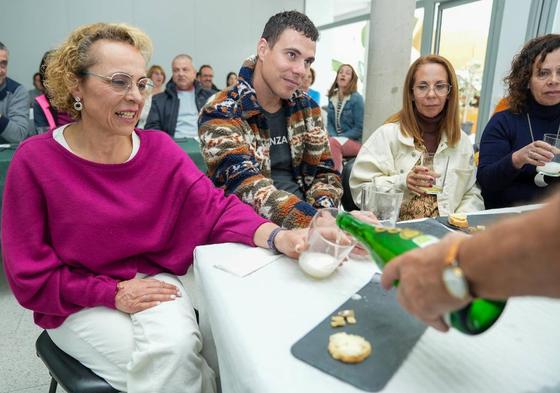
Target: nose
(133, 94)
(299, 68)
(431, 92)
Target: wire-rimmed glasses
(122, 82)
(440, 89)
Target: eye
(308, 64)
(120, 81)
(422, 88)
(291, 55)
(543, 73)
(144, 84)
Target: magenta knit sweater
(71, 228)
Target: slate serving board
(391, 332)
(477, 219)
(430, 226)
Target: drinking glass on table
(327, 245)
(428, 160)
(384, 205)
(552, 168)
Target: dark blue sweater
(501, 183)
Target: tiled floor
(21, 370)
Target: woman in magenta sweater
(96, 231)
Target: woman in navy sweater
(512, 143)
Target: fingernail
(172, 297)
(179, 293)
(158, 303)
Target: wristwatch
(453, 276)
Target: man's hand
(140, 294)
(421, 290)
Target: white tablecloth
(256, 319)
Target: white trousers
(156, 350)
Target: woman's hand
(537, 153)
(139, 294)
(291, 242)
(419, 178)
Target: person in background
(428, 122)
(45, 116)
(206, 78)
(14, 104)
(96, 231)
(38, 89)
(308, 80)
(231, 79)
(157, 75)
(515, 257)
(345, 115)
(263, 140)
(175, 111)
(512, 144)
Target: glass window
(336, 46)
(323, 12)
(417, 34)
(462, 39)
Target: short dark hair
(289, 20)
(204, 66)
(3, 47)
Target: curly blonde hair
(67, 63)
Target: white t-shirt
(187, 119)
(58, 135)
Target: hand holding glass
(327, 245)
(428, 160)
(552, 168)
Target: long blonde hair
(450, 123)
(352, 87)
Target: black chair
(347, 201)
(66, 371)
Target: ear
(76, 88)
(262, 48)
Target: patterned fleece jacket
(235, 142)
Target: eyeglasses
(440, 89)
(545, 74)
(122, 83)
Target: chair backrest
(347, 201)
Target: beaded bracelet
(272, 237)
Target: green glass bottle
(386, 243)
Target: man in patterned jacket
(263, 139)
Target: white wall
(216, 32)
